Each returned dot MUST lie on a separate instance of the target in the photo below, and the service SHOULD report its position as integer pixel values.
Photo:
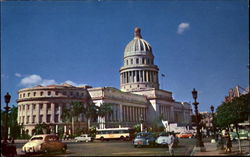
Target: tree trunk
(73, 126)
(88, 123)
(237, 132)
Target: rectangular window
(33, 119)
(56, 93)
(23, 94)
(49, 92)
(71, 93)
(41, 106)
(28, 94)
(28, 107)
(40, 118)
(41, 93)
(34, 93)
(48, 118)
(131, 60)
(56, 118)
(34, 106)
(28, 117)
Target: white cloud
(33, 80)
(183, 27)
(18, 75)
(74, 84)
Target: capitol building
(139, 96)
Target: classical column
(143, 76)
(134, 78)
(25, 114)
(37, 113)
(31, 113)
(52, 113)
(60, 113)
(120, 113)
(147, 76)
(44, 110)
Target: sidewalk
(211, 150)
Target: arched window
(131, 60)
(137, 61)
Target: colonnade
(165, 111)
(36, 113)
(139, 76)
(133, 113)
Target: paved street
(119, 148)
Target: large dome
(138, 46)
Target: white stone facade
(139, 95)
(44, 104)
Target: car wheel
(63, 150)
(122, 138)
(46, 151)
(102, 139)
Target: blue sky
(196, 44)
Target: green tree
(104, 110)
(15, 128)
(41, 128)
(72, 114)
(233, 112)
(90, 112)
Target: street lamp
(141, 121)
(214, 136)
(199, 142)
(7, 100)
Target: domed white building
(139, 95)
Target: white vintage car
(44, 143)
(83, 138)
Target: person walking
(228, 142)
(171, 144)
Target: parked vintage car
(185, 135)
(44, 143)
(144, 139)
(83, 138)
(244, 135)
(164, 138)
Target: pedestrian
(220, 144)
(171, 144)
(228, 142)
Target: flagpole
(162, 75)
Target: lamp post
(141, 121)
(214, 136)
(7, 100)
(199, 142)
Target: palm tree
(90, 112)
(72, 113)
(103, 110)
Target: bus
(123, 134)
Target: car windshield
(36, 138)
(51, 138)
